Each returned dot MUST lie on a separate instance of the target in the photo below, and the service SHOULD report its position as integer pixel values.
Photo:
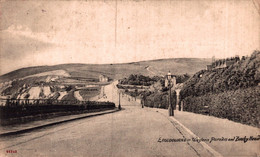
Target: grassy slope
(231, 92)
(116, 71)
(242, 74)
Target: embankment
(231, 92)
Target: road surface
(149, 70)
(134, 131)
(78, 96)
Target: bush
(238, 105)
(139, 80)
(160, 100)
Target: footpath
(221, 137)
(30, 126)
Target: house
(103, 78)
(170, 78)
(209, 67)
(221, 64)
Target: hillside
(76, 81)
(117, 71)
(231, 92)
(242, 74)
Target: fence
(14, 108)
(33, 102)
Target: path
(78, 96)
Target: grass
(116, 71)
(69, 96)
(86, 93)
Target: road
(78, 96)
(134, 131)
(149, 70)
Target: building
(169, 77)
(225, 64)
(103, 78)
(221, 64)
(209, 67)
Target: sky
(49, 32)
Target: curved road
(158, 72)
(132, 131)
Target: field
(89, 92)
(116, 71)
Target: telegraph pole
(171, 112)
(170, 108)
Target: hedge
(238, 105)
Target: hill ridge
(176, 65)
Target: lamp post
(170, 84)
(119, 106)
(143, 98)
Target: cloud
(18, 46)
(25, 31)
(85, 31)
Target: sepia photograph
(129, 78)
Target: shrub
(134, 79)
(160, 100)
(237, 105)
